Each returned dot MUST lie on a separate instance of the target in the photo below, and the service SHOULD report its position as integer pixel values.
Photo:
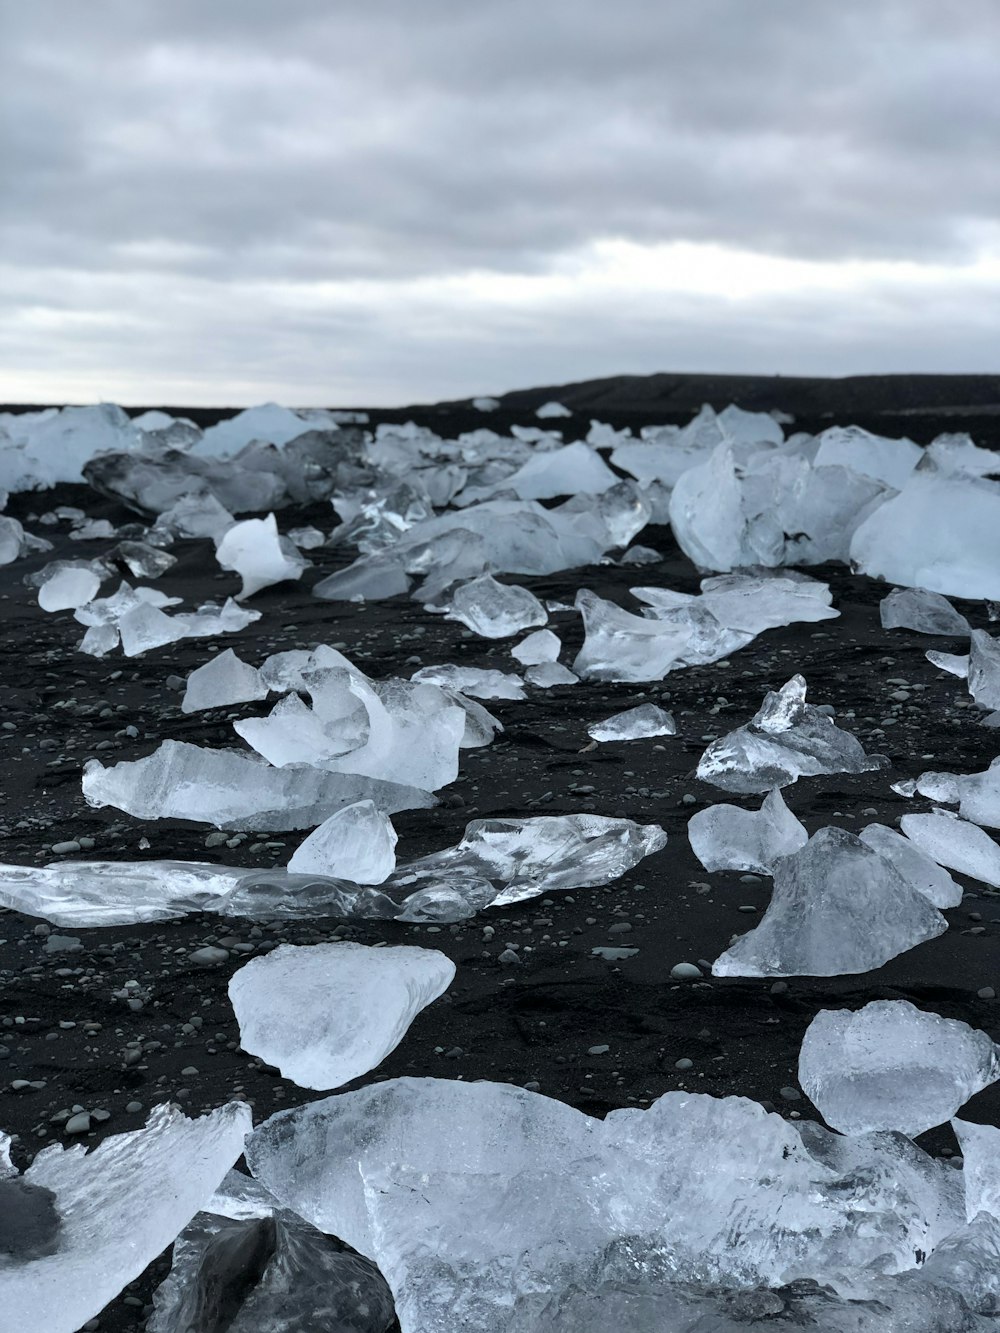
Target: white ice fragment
(485, 404)
(980, 1148)
(955, 843)
(357, 843)
(926, 876)
(787, 739)
(984, 669)
(223, 680)
(254, 550)
(956, 664)
(634, 724)
(114, 1210)
(268, 421)
(889, 461)
(307, 539)
(69, 586)
(891, 1066)
(923, 611)
(552, 409)
(325, 1014)
(538, 647)
(145, 627)
(726, 837)
(474, 681)
(837, 907)
(547, 674)
(495, 610)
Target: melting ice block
(236, 791)
(955, 843)
(538, 647)
(923, 611)
(786, 740)
(547, 674)
(108, 1213)
(980, 1146)
(725, 837)
(838, 907)
(356, 843)
(223, 680)
(325, 1014)
(984, 669)
(496, 610)
(254, 550)
(479, 683)
(892, 1066)
(926, 876)
(634, 724)
(887, 460)
(69, 584)
(978, 794)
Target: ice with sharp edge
(726, 837)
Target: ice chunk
(485, 404)
(547, 674)
(307, 539)
(236, 791)
(787, 739)
(725, 837)
(984, 669)
(65, 585)
(496, 610)
(892, 1066)
(479, 683)
(955, 843)
(940, 532)
(270, 1271)
(145, 627)
(142, 560)
(223, 680)
(325, 1014)
(254, 550)
(552, 409)
(116, 1209)
(538, 647)
(923, 611)
(978, 794)
(956, 664)
(269, 421)
(634, 724)
(889, 461)
(356, 843)
(980, 1147)
(926, 876)
(195, 516)
(838, 907)
(573, 469)
(757, 602)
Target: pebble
(684, 1063)
(133, 1108)
(78, 1124)
(620, 928)
(790, 1094)
(986, 993)
(209, 956)
(598, 1050)
(508, 957)
(65, 848)
(685, 972)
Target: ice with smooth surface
(887, 460)
(224, 679)
(236, 791)
(254, 550)
(892, 1066)
(955, 843)
(553, 409)
(977, 794)
(474, 681)
(496, 610)
(356, 843)
(838, 907)
(926, 876)
(325, 1014)
(940, 532)
(980, 1148)
(641, 723)
(786, 740)
(984, 669)
(115, 1209)
(547, 674)
(923, 611)
(726, 837)
(538, 647)
(68, 586)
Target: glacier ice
(923, 611)
(786, 739)
(68, 584)
(254, 550)
(977, 794)
(955, 843)
(926, 876)
(325, 1014)
(118, 1207)
(980, 1147)
(889, 461)
(634, 724)
(984, 669)
(890, 1065)
(726, 837)
(224, 679)
(475, 681)
(547, 674)
(495, 610)
(357, 843)
(541, 645)
(837, 907)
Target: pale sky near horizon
(375, 202)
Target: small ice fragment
(357, 843)
(905, 787)
(837, 907)
(495, 610)
(954, 663)
(325, 1014)
(547, 674)
(634, 724)
(984, 669)
(474, 681)
(69, 585)
(552, 409)
(143, 560)
(223, 680)
(891, 1066)
(145, 627)
(726, 837)
(254, 550)
(539, 646)
(485, 404)
(923, 611)
(926, 876)
(307, 539)
(955, 843)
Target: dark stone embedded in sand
(29, 1220)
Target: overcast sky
(383, 202)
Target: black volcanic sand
(66, 1031)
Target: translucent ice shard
(926, 876)
(923, 611)
(892, 1066)
(977, 794)
(725, 837)
(145, 627)
(325, 1014)
(356, 843)
(224, 679)
(955, 843)
(547, 674)
(475, 681)
(984, 669)
(254, 550)
(786, 740)
(68, 584)
(573, 469)
(980, 1146)
(838, 907)
(236, 791)
(248, 1265)
(539, 646)
(887, 460)
(634, 724)
(115, 1210)
(496, 610)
